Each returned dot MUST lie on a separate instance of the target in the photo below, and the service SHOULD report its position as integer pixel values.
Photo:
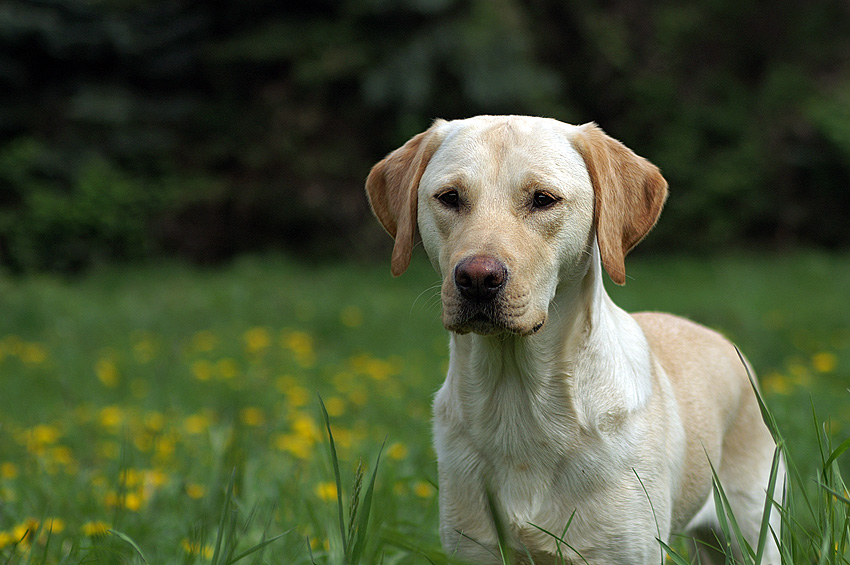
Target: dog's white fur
(559, 407)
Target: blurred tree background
(133, 128)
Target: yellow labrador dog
(559, 407)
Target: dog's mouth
(482, 322)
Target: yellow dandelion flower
(95, 529)
(295, 445)
(7, 539)
(24, 532)
(305, 426)
(257, 340)
(227, 368)
(154, 421)
(130, 477)
(164, 448)
(197, 548)
(108, 449)
(155, 478)
(107, 372)
(298, 396)
(351, 317)
(8, 470)
(133, 501)
(202, 369)
(335, 406)
(358, 396)
(40, 436)
(111, 417)
(55, 525)
(252, 416)
(12, 345)
(33, 354)
(397, 451)
(824, 362)
(343, 438)
(195, 491)
(62, 455)
(285, 382)
(301, 346)
(326, 491)
(196, 424)
(423, 489)
(776, 383)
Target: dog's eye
(542, 200)
(449, 197)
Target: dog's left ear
(629, 194)
(393, 188)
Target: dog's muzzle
(480, 278)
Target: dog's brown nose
(480, 277)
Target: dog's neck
(589, 363)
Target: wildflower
(397, 451)
(776, 383)
(7, 539)
(351, 316)
(95, 529)
(202, 369)
(39, 437)
(227, 368)
(195, 491)
(107, 372)
(8, 470)
(301, 346)
(33, 354)
(297, 396)
(335, 406)
(55, 525)
(154, 421)
(824, 362)
(197, 548)
(132, 501)
(252, 416)
(257, 340)
(111, 417)
(326, 491)
(295, 445)
(25, 531)
(196, 424)
(423, 489)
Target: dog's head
(507, 208)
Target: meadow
(166, 413)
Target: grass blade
(768, 503)
(335, 461)
(222, 522)
(365, 511)
(127, 539)
(256, 548)
(675, 557)
(845, 445)
(560, 540)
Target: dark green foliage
(264, 117)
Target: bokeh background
(205, 129)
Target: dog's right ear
(393, 186)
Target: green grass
(168, 414)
